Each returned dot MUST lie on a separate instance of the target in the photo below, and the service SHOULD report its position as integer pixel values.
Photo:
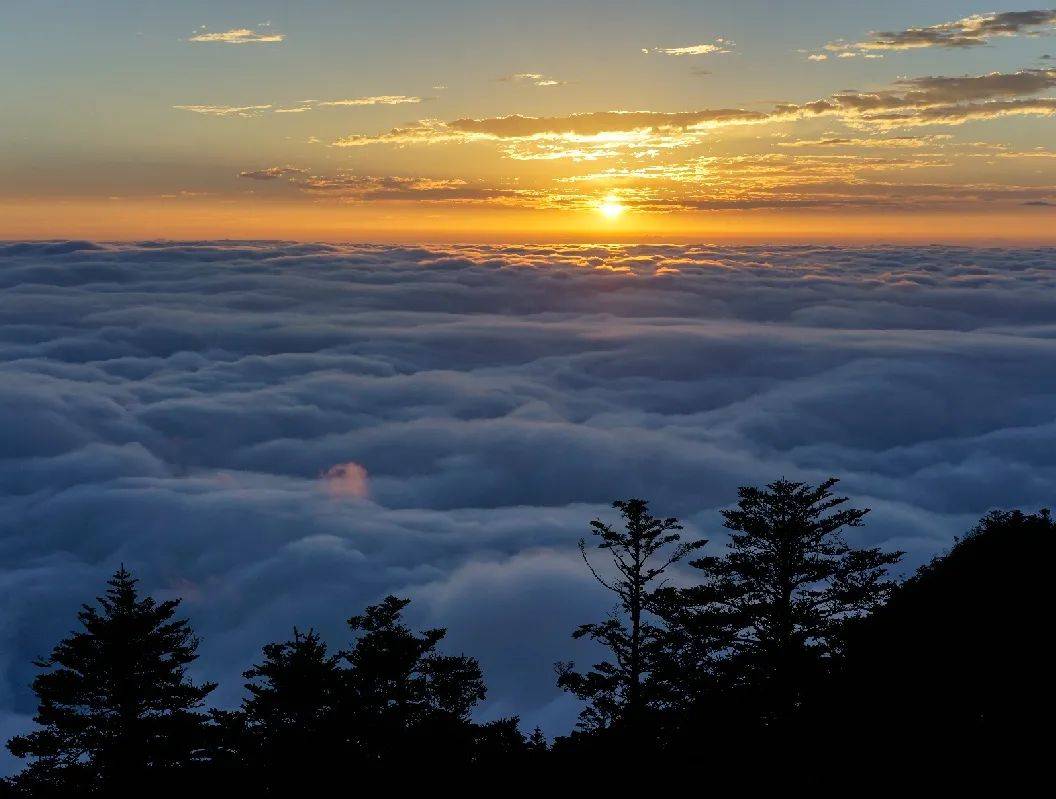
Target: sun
(611, 207)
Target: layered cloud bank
(282, 433)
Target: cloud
(186, 408)
(646, 135)
(973, 31)
(592, 124)
(384, 99)
(935, 91)
(271, 173)
(868, 142)
(718, 47)
(534, 78)
(304, 106)
(349, 187)
(909, 102)
(789, 180)
(346, 480)
(1037, 153)
(225, 110)
(968, 112)
(238, 36)
(940, 90)
(585, 136)
(936, 100)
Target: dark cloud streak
(973, 31)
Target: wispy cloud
(225, 110)
(271, 173)
(382, 99)
(354, 188)
(304, 106)
(517, 126)
(594, 123)
(934, 100)
(237, 36)
(590, 136)
(744, 182)
(968, 112)
(718, 47)
(860, 142)
(790, 181)
(534, 78)
(580, 137)
(973, 31)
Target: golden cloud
(238, 36)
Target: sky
(474, 121)
(283, 433)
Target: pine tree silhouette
(537, 743)
(117, 712)
(499, 743)
(787, 586)
(287, 728)
(620, 692)
(790, 626)
(401, 699)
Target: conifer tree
(537, 743)
(401, 698)
(289, 719)
(117, 712)
(787, 586)
(620, 691)
(499, 743)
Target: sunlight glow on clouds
(769, 179)
(238, 36)
(645, 126)
(305, 105)
(270, 173)
(534, 78)
(347, 480)
(719, 47)
(225, 110)
(385, 99)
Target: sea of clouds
(282, 433)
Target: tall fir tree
(621, 692)
(288, 727)
(117, 712)
(401, 698)
(787, 586)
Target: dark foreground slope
(961, 652)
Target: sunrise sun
(610, 207)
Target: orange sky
(813, 120)
(202, 219)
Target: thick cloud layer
(282, 433)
